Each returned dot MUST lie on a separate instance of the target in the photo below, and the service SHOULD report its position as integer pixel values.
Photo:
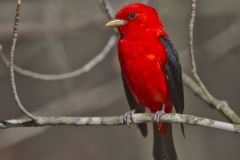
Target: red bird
(151, 71)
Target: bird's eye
(132, 15)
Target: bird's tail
(162, 128)
(163, 145)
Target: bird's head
(136, 20)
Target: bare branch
(86, 68)
(57, 107)
(205, 94)
(56, 77)
(191, 34)
(221, 105)
(104, 4)
(191, 50)
(11, 63)
(118, 120)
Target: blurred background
(58, 36)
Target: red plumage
(151, 71)
(142, 57)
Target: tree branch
(57, 107)
(191, 34)
(57, 77)
(106, 7)
(11, 63)
(191, 50)
(118, 120)
(221, 105)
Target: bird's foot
(128, 117)
(159, 114)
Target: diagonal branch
(75, 73)
(11, 63)
(118, 120)
(106, 7)
(222, 106)
(198, 83)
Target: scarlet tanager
(151, 71)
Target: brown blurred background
(57, 36)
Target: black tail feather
(163, 145)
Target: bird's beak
(116, 23)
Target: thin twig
(208, 97)
(104, 4)
(86, 68)
(12, 76)
(221, 105)
(191, 50)
(118, 120)
(191, 34)
(107, 8)
(56, 77)
(77, 101)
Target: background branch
(191, 50)
(78, 72)
(107, 9)
(12, 76)
(222, 106)
(205, 94)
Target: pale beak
(116, 23)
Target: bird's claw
(158, 115)
(128, 117)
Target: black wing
(173, 71)
(135, 106)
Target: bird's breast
(142, 67)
